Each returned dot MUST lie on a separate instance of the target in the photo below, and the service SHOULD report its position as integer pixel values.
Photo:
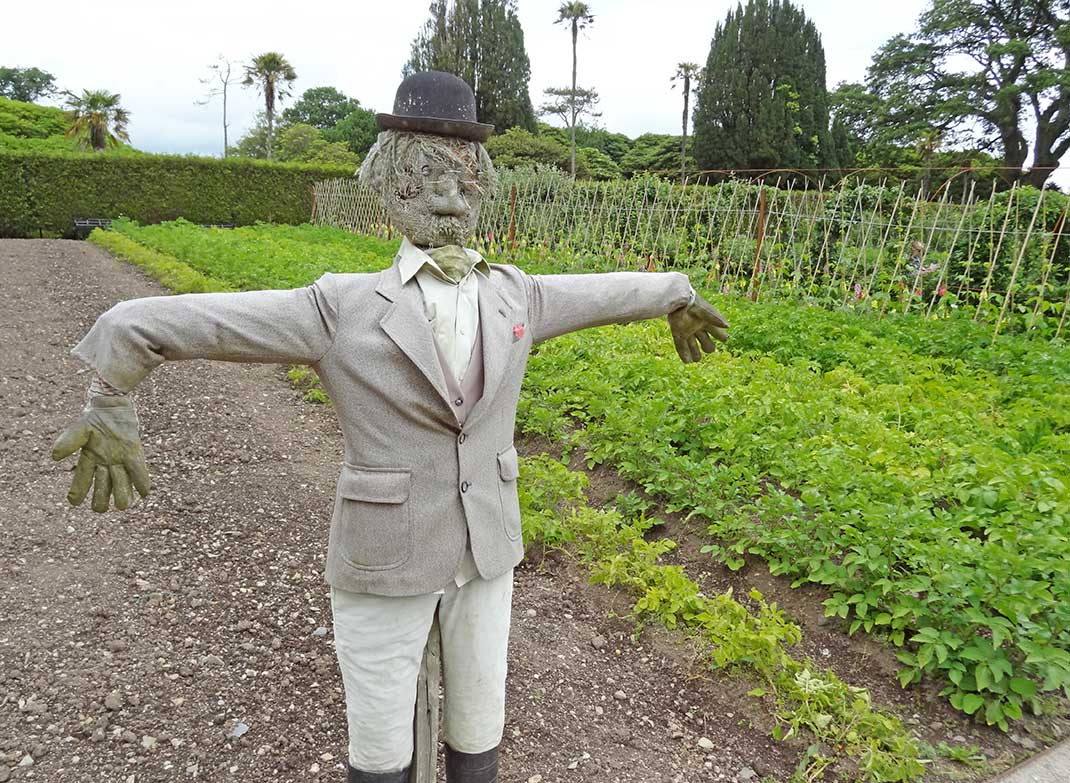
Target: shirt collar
(412, 259)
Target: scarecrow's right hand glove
(695, 326)
(111, 458)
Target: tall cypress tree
(763, 103)
(482, 42)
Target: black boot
(471, 767)
(357, 776)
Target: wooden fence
(1005, 255)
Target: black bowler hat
(436, 102)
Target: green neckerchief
(454, 262)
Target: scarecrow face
(431, 186)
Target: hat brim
(461, 129)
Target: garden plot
(912, 469)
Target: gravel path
(189, 637)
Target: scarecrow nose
(448, 200)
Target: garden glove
(111, 457)
(694, 327)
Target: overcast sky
(154, 53)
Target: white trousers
(380, 642)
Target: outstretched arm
(132, 338)
(558, 304)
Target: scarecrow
(423, 362)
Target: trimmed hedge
(45, 192)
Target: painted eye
(425, 170)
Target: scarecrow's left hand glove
(695, 327)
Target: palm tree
(579, 16)
(271, 74)
(685, 72)
(96, 119)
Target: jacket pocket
(508, 471)
(375, 517)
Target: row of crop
(841, 720)
(928, 495)
(44, 193)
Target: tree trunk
(226, 144)
(270, 133)
(1015, 150)
(683, 138)
(572, 99)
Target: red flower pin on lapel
(518, 332)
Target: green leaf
(1024, 687)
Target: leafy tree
(517, 148)
(358, 130)
(96, 119)
(973, 68)
(765, 104)
(271, 74)
(570, 106)
(30, 121)
(253, 143)
(595, 164)
(26, 84)
(685, 72)
(658, 153)
(305, 143)
(615, 145)
(482, 42)
(578, 16)
(222, 73)
(321, 107)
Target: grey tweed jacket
(414, 481)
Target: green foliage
(25, 127)
(271, 74)
(320, 107)
(765, 103)
(482, 42)
(358, 130)
(301, 143)
(262, 256)
(96, 119)
(26, 84)
(618, 552)
(915, 469)
(518, 148)
(46, 192)
(174, 274)
(974, 72)
(657, 153)
(28, 121)
(615, 145)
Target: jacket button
(462, 437)
(458, 402)
(465, 485)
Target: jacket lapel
(497, 315)
(406, 324)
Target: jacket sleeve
(292, 326)
(558, 304)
